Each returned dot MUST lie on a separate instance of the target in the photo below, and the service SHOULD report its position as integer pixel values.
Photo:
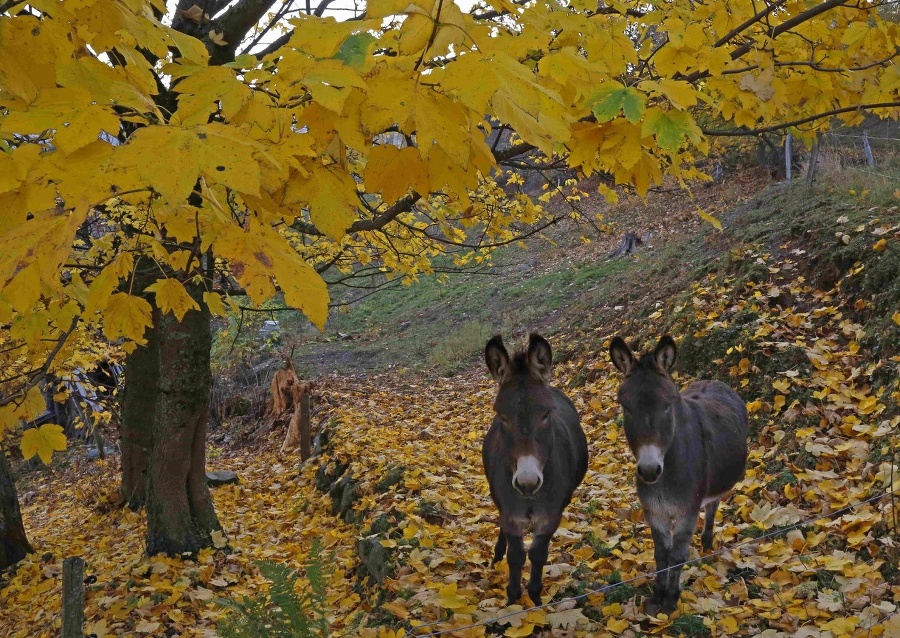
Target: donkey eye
(546, 416)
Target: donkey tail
(499, 549)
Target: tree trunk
(180, 513)
(141, 389)
(13, 542)
(139, 405)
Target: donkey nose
(527, 485)
(649, 472)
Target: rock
(394, 475)
(93, 453)
(343, 495)
(376, 562)
(327, 474)
(221, 477)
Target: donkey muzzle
(649, 464)
(528, 477)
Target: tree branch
(40, 373)
(234, 25)
(742, 50)
(778, 127)
(748, 23)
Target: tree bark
(139, 405)
(180, 513)
(13, 541)
(141, 390)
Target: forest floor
(795, 304)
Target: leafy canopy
(250, 169)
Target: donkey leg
(515, 558)
(681, 545)
(709, 522)
(537, 554)
(661, 546)
(499, 548)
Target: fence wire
(645, 576)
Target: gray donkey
(535, 455)
(690, 447)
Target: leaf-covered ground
(797, 554)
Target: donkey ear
(540, 356)
(497, 359)
(621, 355)
(665, 352)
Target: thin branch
(9, 4)
(812, 118)
(281, 13)
(742, 50)
(818, 67)
(748, 23)
(40, 373)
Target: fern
(281, 612)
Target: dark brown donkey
(535, 455)
(691, 448)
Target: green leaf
(243, 61)
(354, 49)
(670, 128)
(613, 98)
(43, 441)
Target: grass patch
(689, 625)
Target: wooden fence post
(787, 157)
(813, 162)
(73, 597)
(867, 150)
(305, 442)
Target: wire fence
(416, 631)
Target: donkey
(691, 448)
(535, 455)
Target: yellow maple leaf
(710, 219)
(43, 441)
(126, 316)
(728, 624)
(841, 626)
(213, 301)
(172, 297)
(617, 625)
(521, 631)
(448, 598)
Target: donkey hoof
(513, 595)
(706, 542)
(535, 597)
(669, 605)
(651, 607)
